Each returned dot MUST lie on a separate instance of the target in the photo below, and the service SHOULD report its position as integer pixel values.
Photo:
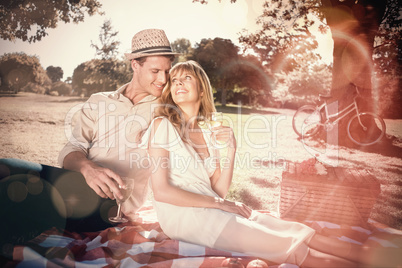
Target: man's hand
(102, 180)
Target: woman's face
(185, 88)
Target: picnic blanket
(143, 244)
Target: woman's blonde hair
(170, 110)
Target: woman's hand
(235, 207)
(224, 136)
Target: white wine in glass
(216, 120)
(126, 192)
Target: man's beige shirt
(106, 129)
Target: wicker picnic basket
(335, 194)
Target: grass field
(32, 128)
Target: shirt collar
(118, 95)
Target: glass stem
(119, 210)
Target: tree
(62, 88)
(282, 36)
(183, 46)
(254, 84)
(302, 86)
(233, 76)
(302, 77)
(68, 80)
(100, 75)
(103, 74)
(388, 69)
(19, 71)
(109, 46)
(55, 73)
(218, 58)
(28, 20)
(353, 24)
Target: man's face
(153, 75)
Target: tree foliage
(22, 72)
(302, 86)
(182, 46)
(218, 57)
(29, 20)
(100, 75)
(233, 76)
(387, 77)
(354, 25)
(105, 74)
(109, 45)
(285, 31)
(253, 85)
(62, 88)
(54, 73)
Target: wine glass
(214, 122)
(126, 192)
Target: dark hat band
(159, 49)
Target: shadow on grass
(76, 99)
(5, 94)
(264, 182)
(387, 210)
(242, 110)
(250, 199)
(389, 146)
(280, 163)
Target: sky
(69, 45)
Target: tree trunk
(223, 97)
(353, 25)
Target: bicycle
(363, 128)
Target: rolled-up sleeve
(83, 131)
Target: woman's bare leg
(375, 256)
(336, 247)
(324, 260)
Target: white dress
(262, 235)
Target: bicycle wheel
(306, 121)
(369, 130)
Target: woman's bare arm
(165, 192)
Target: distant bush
(54, 93)
(302, 86)
(100, 75)
(35, 88)
(21, 72)
(62, 88)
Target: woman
(189, 185)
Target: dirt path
(32, 128)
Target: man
(101, 150)
(104, 141)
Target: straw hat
(150, 42)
